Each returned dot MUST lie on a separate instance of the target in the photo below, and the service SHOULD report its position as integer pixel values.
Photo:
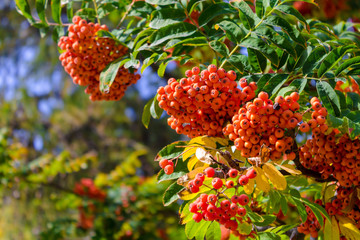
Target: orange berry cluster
(263, 122)
(318, 118)
(203, 101)
(227, 211)
(87, 188)
(340, 159)
(352, 87)
(86, 216)
(86, 55)
(311, 225)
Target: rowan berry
(163, 163)
(229, 184)
(241, 212)
(243, 180)
(217, 183)
(243, 199)
(251, 173)
(169, 169)
(212, 199)
(233, 173)
(197, 217)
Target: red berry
(197, 217)
(251, 173)
(243, 180)
(241, 212)
(203, 197)
(233, 173)
(200, 176)
(194, 189)
(217, 183)
(202, 206)
(195, 70)
(233, 207)
(163, 163)
(198, 182)
(229, 184)
(235, 199)
(193, 207)
(211, 208)
(209, 172)
(225, 204)
(212, 199)
(169, 169)
(243, 199)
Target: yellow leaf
(335, 233)
(217, 26)
(194, 143)
(289, 168)
(222, 141)
(249, 188)
(277, 179)
(192, 162)
(348, 229)
(261, 180)
(189, 152)
(329, 192)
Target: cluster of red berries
(351, 87)
(86, 216)
(318, 118)
(218, 207)
(86, 187)
(203, 101)
(167, 165)
(311, 225)
(86, 55)
(339, 158)
(263, 122)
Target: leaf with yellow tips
(289, 168)
(275, 176)
(348, 228)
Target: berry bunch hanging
(263, 122)
(217, 206)
(86, 55)
(203, 101)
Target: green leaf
(275, 38)
(329, 97)
(333, 58)
(233, 32)
(268, 219)
(213, 232)
(346, 64)
(192, 228)
(213, 11)
(314, 59)
(261, 46)
(87, 13)
(301, 208)
(256, 60)
(108, 75)
(260, 8)
(275, 83)
(161, 2)
(283, 204)
(146, 116)
(268, 236)
(40, 9)
(56, 11)
(170, 194)
(318, 211)
(290, 10)
(70, 11)
(192, 5)
(172, 31)
(247, 16)
(164, 17)
(200, 235)
(253, 216)
(219, 47)
(141, 9)
(353, 100)
(238, 61)
(299, 84)
(294, 34)
(172, 150)
(197, 41)
(155, 110)
(179, 170)
(23, 7)
(262, 82)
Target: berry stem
(125, 14)
(96, 11)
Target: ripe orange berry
(304, 127)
